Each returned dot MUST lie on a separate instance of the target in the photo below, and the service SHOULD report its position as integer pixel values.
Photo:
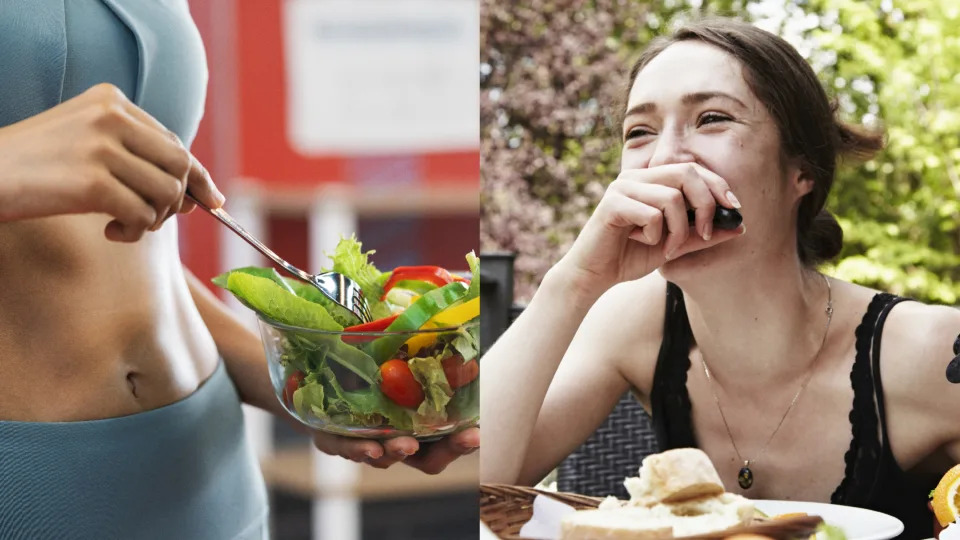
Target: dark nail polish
(953, 370)
(723, 218)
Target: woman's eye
(711, 118)
(637, 132)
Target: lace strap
(670, 401)
(863, 456)
(885, 451)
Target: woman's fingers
(201, 187)
(101, 191)
(718, 185)
(148, 142)
(175, 159)
(627, 212)
(696, 243)
(396, 450)
(654, 200)
(436, 456)
(374, 453)
(431, 458)
(360, 450)
(158, 188)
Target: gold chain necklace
(745, 476)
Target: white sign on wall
(382, 76)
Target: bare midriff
(93, 329)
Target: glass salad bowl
(412, 370)
(422, 383)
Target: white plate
(857, 523)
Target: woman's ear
(800, 178)
(805, 185)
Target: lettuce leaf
(298, 352)
(830, 532)
(307, 291)
(466, 401)
(308, 399)
(400, 418)
(279, 303)
(350, 260)
(467, 342)
(269, 273)
(322, 395)
(331, 347)
(437, 392)
(474, 263)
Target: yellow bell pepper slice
(457, 315)
(449, 317)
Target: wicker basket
(505, 508)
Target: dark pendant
(953, 370)
(745, 477)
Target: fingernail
(733, 199)
(220, 198)
(708, 231)
(370, 454)
(743, 228)
(466, 447)
(407, 453)
(670, 254)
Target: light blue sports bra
(53, 50)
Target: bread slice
(663, 520)
(674, 476)
(678, 493)
(616, 524)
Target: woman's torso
(831, 445)
(91, 328)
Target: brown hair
(807, 119)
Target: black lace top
(872, 479)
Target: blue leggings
(183, 471)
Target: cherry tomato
(459, 374)
(293, 382)
(399, 384)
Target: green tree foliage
(552, 81)
(896, 65)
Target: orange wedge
(946, 498)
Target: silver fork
(342, 290)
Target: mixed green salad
(413, 368)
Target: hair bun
(821, 241)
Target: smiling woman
(732, 339)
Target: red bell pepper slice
(378, 325)
(431, 274)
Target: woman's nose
(670, 147)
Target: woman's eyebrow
(687, 99)
(699, 97)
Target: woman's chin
(694, 265)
